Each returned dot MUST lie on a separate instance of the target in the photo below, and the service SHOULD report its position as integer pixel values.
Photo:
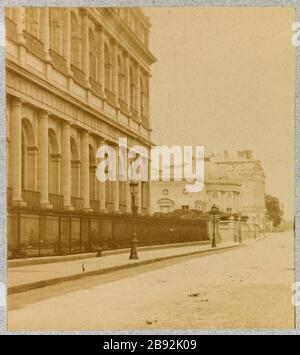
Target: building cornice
(81, 108)
(118, 25)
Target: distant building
(233, 183)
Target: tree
(275, 214)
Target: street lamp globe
(214, 210)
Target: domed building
(235, 184)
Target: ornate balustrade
(58, 61)
(95, 205)
(34, 45)
(134, 113)
(79, 75)
(32, 198)
(57, 201)
(77, 203)
(145, 121)
(111, 97)
(123, 106)
(123, 207)
(110, 206)
(96, 87)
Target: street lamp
(214, 211)
(133, 191)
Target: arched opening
(132, 88)
(107, 61)
(92, 55)
(75, 41)
(56, 29)
(29, 156)
(121, 79)
(33, 21)
(54, 163)
(92, 176)
(75, 169)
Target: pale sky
(225, 79)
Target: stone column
(127, 81)
(101, 60)
(66, 165)
(116, 188)
(101, 191)
(45, 30)
(138, 90)
(68, 39)
(85, 45)
(21, 24)
(43, 160)
(85, 171)
(115, 88)
(15, 156)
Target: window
(75, 41)
(92, 54)
(107, 67)
(56, 29)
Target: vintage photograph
(150, 168)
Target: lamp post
(214, 211)
(133, 191)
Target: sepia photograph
(150, 168)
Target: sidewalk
(24, 278)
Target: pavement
(243, 288)
(27, 275)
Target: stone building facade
(235, 184)
(76, 78)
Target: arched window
(75, 41)
(54, 160)
(92, 164)
(121, 78)
(29, 156)
(56, 29)
(132, 88)
(107, 61)
(75, 170)
(32, 21)
(92, 55)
